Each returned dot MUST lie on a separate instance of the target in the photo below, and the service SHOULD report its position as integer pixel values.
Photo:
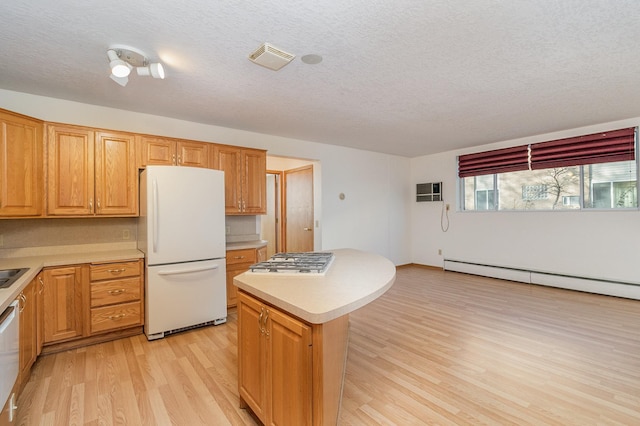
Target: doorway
(292, 206)
(298, 209)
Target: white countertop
(241, 245)
(354, 279)
(63, 256)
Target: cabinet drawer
(117, 291)
(116, 316)
(241, 256)
(110, 271)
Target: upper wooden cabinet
(90, 172)
(172, 152)
(245, 172)
(21, 177)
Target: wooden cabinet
(63, 303)
(245, 173)
(21, 166)
(275, 363)
(238, 261)
(90, 172)
(172, 152)
(92, 303)
(116, 296)
(39, 313)
(27, 303)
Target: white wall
(598, 244)
(374, 215)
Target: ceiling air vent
(271, 57)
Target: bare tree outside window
(560, 181)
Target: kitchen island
(293, 336)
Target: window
(565, 174)
(485, 199)
(534, 192)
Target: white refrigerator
(181, 231)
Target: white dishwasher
(8, 350)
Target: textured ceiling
(402, 77)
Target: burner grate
(302, 263)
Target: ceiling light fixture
(122, 59)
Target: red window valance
(497, 161)
(604, 147)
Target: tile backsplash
(22, 233)
(32, 233)
(242, 228)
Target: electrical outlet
(439, 252)
(125, 234)
(1, 240)
(227, 230)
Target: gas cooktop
(295, 263)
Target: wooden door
(193, 154)
(228, 160)
(63, 314)
(156, 151)
(21, 177)
(254, 169)
(116, 174)
(289, 361)
(251, 355)
(298, 214)
(70, 170)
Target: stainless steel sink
(10, 276)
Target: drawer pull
(116, 271)
(117, 292)
(116, 317)
(239, 257)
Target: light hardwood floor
(438, 348)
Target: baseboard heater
(590, 285)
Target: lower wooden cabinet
(116, 296)
(28, 304)
(89, 300)
(274, 363)
(238, 261)
(63, 303)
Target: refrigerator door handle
(187, 271)
(156, 220)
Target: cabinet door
(39, 313)
(251, 355)
(289, 368)
(193, 154)
(63, 314)
(21, 181)
(157, 151)
(254, 188)
(116, 177)
(70, 171)
(232, 290)
(229, 162)
(28, 331)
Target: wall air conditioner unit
(429, 191)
